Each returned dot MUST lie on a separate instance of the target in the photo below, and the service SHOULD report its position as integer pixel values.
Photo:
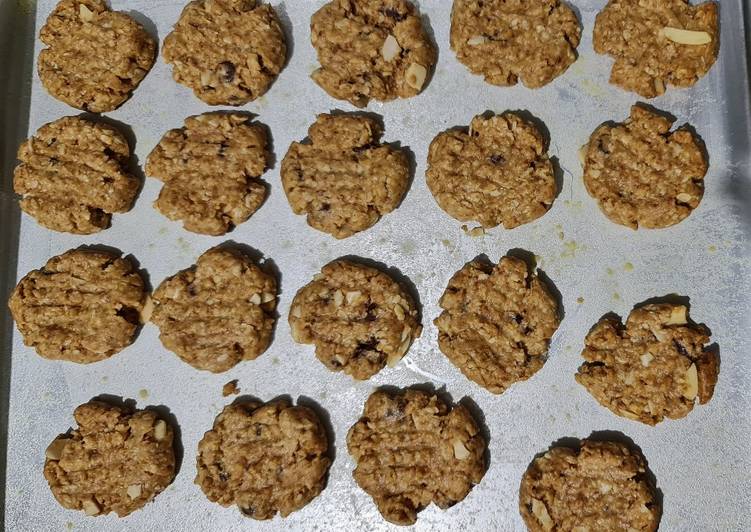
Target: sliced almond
(338, 298)
(399, 311)
(415, 75)
(206, 79)
(296, 312)
(160, 430)
(147, 310)
(583, 154)
(677, 316)
(86, 14)
(477, 40)
(134, 491)
(390, 48)
(659, 86)
(255, 299)
(406, 333)
(90, 507)
(540, 511)
(691, 389)
(646, 358)
(476, 231)
(690, 37)
(683, 197)
(394, 359)
(460, 451)
(267, 297)
(55, 449)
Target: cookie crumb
(230, 388)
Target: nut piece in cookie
(95, 58)
(343, 179)
(217, 313)
(228, 51)
(412, 449)
(497, 172)
(497, 322)
(656, 43)
(371, 49)
(73, 176)
(641, 173)
(358, 318)
(601, 485)
(211, 169)
(655, 366)
(82, 306)
(264, 458)
(115, 461)
(508, 40)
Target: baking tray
(702, 462)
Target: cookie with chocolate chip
(228, 51)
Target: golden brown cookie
(264, 458)
(95, 58)
(656, 43)
(228, 51)
(217, 313)
(497, 322)
(641, 173)
(508, 40)
(358, 318)
(73, 175)
(82, 306)
(211, 169)
(343, 179)
(656, 366)
(115, 461)
(497, 172)
(371, 49)
(599, 486)
(412, 449)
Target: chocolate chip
(497, 159)
(394, 14)
(226, 71)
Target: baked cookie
(641, 173)
(656, 43)
(412, 449)
(115, 461)
(82, 306)
(497, 322)
(656, 366)
(211, 169)
(498, 172)
(228, 51)
(343, 179)
(602, 485)
(263, 458)
(217, 313)
(508, 40)
(358, 318)
(73, 176)
(95, 58)
(371, 49)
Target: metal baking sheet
(701, 462)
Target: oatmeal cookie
(73, 176)
(371, 49)
(263, 458)
(656, 43)
(599, 486)
(497, 322)
(115, 461)
(217, 313)
(358, 318)
(641, 173)
(95, 58)
(508, 40)
(82, 306)
(211, 169)
(228, 51)
(412, 449)
(498, 172)
(656, 366)
(344, 180)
